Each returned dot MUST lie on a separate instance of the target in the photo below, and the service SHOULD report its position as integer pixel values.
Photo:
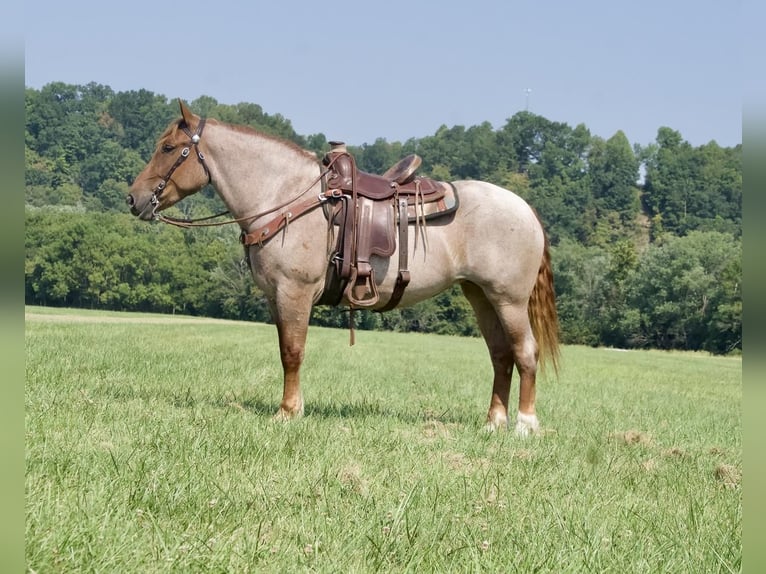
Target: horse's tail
(543, 315)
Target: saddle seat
(398, 179)
(366, 217)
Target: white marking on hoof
(496, 421)
(527, 424)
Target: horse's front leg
(291, 315)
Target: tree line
(646, 240)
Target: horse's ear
(185, 112)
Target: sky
(399, 69)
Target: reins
(204, 221)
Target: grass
(150, 448)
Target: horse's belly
(431, 271)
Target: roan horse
(493, 245)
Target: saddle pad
(443, 206)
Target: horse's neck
(253, 173)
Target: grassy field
(150, 448)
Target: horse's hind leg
(500, 354)
(515, 319)
(508, 333)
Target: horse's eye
(167, 148)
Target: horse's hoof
(496, 422)
(284, 415)
(527, 425)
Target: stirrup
(370, 289)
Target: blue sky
(400, 69)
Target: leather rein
(262, 233)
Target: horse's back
(489, 202)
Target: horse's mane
(280, 140)
(176, 124)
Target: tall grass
(150, 447)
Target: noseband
(194, 141)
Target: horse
(493, 245)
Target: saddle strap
(403, 277)
(281, 220)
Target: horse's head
(168, 177)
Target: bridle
(194, 142)
(263, 233)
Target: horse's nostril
(130, 201)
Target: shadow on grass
(357, 410)
(189, 398)
(365, 409)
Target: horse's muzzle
(145, 212)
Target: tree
(685, 289)
(718, 205)
(617, 319)
(112, 161)
(579, 273)
(141, 117)
(317, 143)
(478, 155)
(692, 188)
(613, 173)
(377, 157)
(111, 195)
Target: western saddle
(366, 209)
(370, 209)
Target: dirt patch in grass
(351, 477)
(433, 429)
(675, 452)
(456, 461)
(729, 475)
(632, 437)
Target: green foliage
(687, 291)
(111, 261)
(138, 118)
(85, 144)
(684, 293)
(247, 114)
(376, 157)
(579, 273)
(693, 188)
(613, 172)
